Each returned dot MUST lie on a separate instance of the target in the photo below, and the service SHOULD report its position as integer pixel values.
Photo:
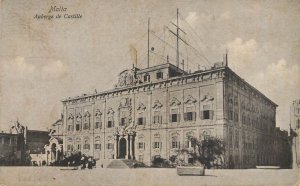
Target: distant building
(283, 149)
(17, 146)
(54, 148)
(295, 126)
(10, 149)
(155, 111)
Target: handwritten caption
(57, 12)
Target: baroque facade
(156, 110)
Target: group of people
(87, 162)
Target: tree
(208, 152)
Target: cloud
(242, 54)
(20, 68)
(192, 18)
(55, 69)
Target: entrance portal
(122, 151)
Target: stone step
(121, 164)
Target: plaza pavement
(23, 176)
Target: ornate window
(175, 142)
(190, 109)
(174, 116)
(157, 118)
(157, 144)
(86, 125)
(188, 140)
(141, 120)
(123, 118)
(78, 122)
(70, 123)
(207, 112)
(86, 145)
(78, 144)
(110, 118)
(157, 115)
(97, 143)
(98, 123)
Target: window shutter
(170, 118)
(178, 117)
(144, 120)
(160, 118)
(211, 114)
(179, 144)
(202, 115)
(194, 116)
(185, 116)
(153, 145)
(144, 146)
(160, 145)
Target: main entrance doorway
(122, 151)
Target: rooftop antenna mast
(148, 41)
(177, 38)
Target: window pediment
(157, 105)
(98, 113)
(207, 98)
(79, 116)
(190, 100)
(141, 107)
(86, 114)
(110, 111)
(174, 102)
(71, 116)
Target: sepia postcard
(149, 92)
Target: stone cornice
(217, 73)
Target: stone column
(116, 147)
(131, 146)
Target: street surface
(13, 176)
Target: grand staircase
(121, 164)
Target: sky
(45, 61)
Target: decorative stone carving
(141, 107)
(174, 102)
(207, 97)
(71, 116)
(98, 113)
(110, 111)
(190, 100)
(78, 116)
(157, 105)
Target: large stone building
(154, 111)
